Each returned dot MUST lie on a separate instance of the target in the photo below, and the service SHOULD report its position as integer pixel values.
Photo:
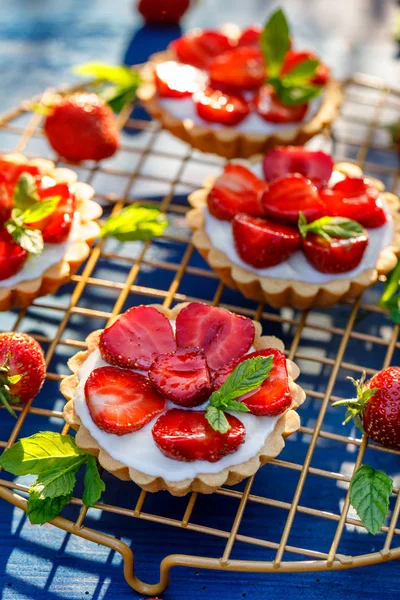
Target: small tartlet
(24, 293)
(283, 292)
(288, 423)
(228, 141)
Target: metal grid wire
(318, 462)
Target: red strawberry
(200, 48)
(9, 174)
(82, 127)
(12, 256)
(121, 401)
(174, 80)
(286, 160)
(136, 338)
(271, 109)
(222, 335)
(56, 227)
(294, 58)
(287, 196)
(236, 190)
(187, 436)
(182, 376)
(162, 12)
(273, 398)
(356, 199)
(336, 256)
(378, 411)
(250, 36)
(262, 243)
(215, 106)
(238, 69)
(20, 355)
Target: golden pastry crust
(287, 424)
(228, 141)
(23, 293)
(283, 292)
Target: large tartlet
(232, 142)
(285, 292)
(23, 293)
(285, 425)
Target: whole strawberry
(82, 127)
(22, 368)
(376, 410)
(167, 12)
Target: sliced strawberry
(12, 256)
(187, 436)
(136, 338)
(182, 376)
(200, 48)
(222, 335)
(215, 106)
(250, 36)
(287, 196)
(262, 243)
(294, 58)
(121, 401)
(273, 397)
(239, 69)
(286, 160)
(174, 80)
(271, 109)
(236, 190)
(338, 256)
(56, 227)
(355, 198)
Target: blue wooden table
(39, 41)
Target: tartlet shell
(25, 292)
(287, 424)
(228, 141)
(281, 292)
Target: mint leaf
(25, 192)
(94, 485)
(42, 511)
(370, 491)
(58, 481)
(135, 222)
(235, 405)
(390, 298)
(29, 239)
(328, 227)
(293, 95)
(217, 419)
(41, 210)
(275, 42)
(301, 74)
(248, 376)
(39, 453)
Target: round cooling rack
(294, 515)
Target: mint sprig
(25, 192)
(329, 227)
(117, 84)
(247, 376)
(390, 298)
(135, 222)
(370, 491)
(56, 460)
(295, 87)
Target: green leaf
(217, 419)
(135, 222)
(13, 379)
(275, 42)
(58, 481)
(235, 405)
(370, 491)
(390, 298)
(328, 227)
(29, 239)
(39, 453)
(301, 74)
(293, 95)
(94, 485)
(25, 192)
(42, 511)
(41, 210)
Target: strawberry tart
(295, 229)
(183, 399)
(47, 223)
(238, 92)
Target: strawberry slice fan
(238, 92)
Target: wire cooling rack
(294, 515)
